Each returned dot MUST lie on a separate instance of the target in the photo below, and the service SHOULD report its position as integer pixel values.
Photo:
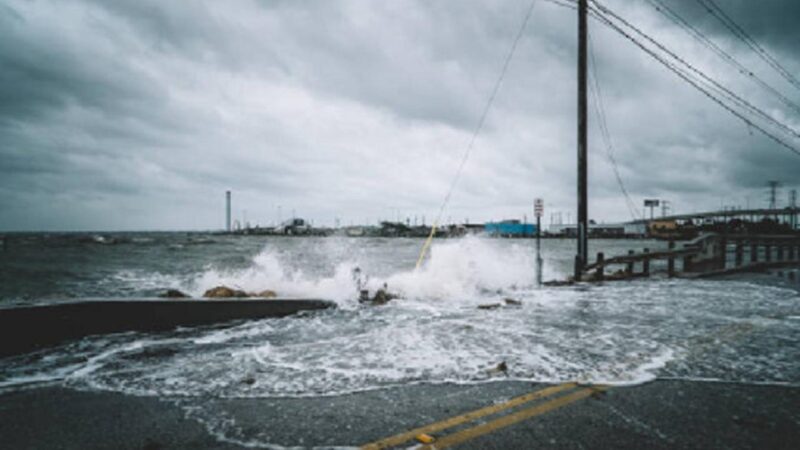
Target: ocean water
(742, 330)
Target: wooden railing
(705, 256)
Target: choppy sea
(742, 330)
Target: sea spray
(616, 333)
(457, 269)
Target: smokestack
(228, 211)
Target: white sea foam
(456, 270)
(621, 333)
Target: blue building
(509, 228)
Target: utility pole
(583, 244)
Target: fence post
(671, 260)
(599, 275)
(739, 253)
(687, 263)
(629, 267)
(646, 264)
(753, 251)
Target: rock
(173, 293)
(489, 306)
(500, 368)
(382, 297)
(267, 293)
(224, 292)
(511, 301)
(249, 381)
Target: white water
(620, 333)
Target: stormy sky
(126, 115)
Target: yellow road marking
(468, 417)
(502, 422)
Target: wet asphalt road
(661, 414)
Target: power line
(594, 88)
(716, 11)
(724, 91)
(570, 4)
(477, 130)
(602, 15)
(675, 18)
(682, 73)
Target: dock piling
(599, 275)
(646, 264)
(671, 260)
(739, 253)
(629, 267)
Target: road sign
(538, 207)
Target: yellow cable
(425, 247)
(477, 130)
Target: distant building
(610, 230)
(509, 228)
(663, 228)
(294, 225)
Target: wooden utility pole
(583, 225)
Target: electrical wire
(594, 89)
(716, 11)
(476, 132)
(684, 75)
(722, 90)
(675, 18)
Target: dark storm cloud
(132, 114)
(43, 72)
(772, 23)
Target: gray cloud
(126, 115)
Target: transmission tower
(773, 193)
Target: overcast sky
(124, 115)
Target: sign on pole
(538, 207)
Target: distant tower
(228, 211)
(773, 194)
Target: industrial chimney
(228, 211)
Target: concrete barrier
(27, 328)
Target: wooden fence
(708, 255)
